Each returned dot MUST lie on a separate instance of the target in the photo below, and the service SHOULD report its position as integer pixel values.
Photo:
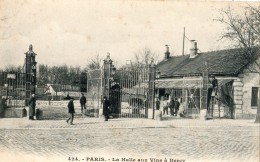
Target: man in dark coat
(176, 107)
(32, 104)
(171, 106)
(71, 111)
(3, 105)
(83, 102)
(157, 104)
(106, 106)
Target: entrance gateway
(130, 90)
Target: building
(186, 77)
(58, 91)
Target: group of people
(71, 108)
(174, 106)
(83, 101)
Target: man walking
(71, 111)
(83, 102)
(32, 105)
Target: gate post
(30, 74)
(151, 89)
(107, 75)
(204, 95)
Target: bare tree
(144, 57)
(43, 75)
(244, 31)
(95, 62)
(12, 68)
(136, 71)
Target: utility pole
(183, 41)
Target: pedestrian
(83, 102)
(106, 107)
(165, 106)
(3, 106)
(176, 107)
(71, 111)
(32, 105)
(157, 104)
(4, 102)
(171, 106)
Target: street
(92, 139)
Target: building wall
(249, 80)
(238, 95)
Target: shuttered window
(254, 97)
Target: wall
(249, 80)
(238, 95)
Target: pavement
(129, 139)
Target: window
(254, 97)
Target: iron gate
(13, 88)
(94, 91)
(189, 92)
(129, 93)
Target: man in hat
(106, 108)
(32, 105)
(176, 107)
(83, 102)
(157, 104)
(71, 111)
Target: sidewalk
(86, 123)
(189, 139)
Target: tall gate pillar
(30, 72)
(151, 89)
(107, 76)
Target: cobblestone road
(189, 139)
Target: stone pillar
(107, 75)
(105, 81)
(238, 95)
(204, 94)
(257, 119)
(30, 72)
(151, 90)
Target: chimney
(193, 49)
(167, 53)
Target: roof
(182, 83)
(223, 62)
(56, 87)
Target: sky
(72, 32)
